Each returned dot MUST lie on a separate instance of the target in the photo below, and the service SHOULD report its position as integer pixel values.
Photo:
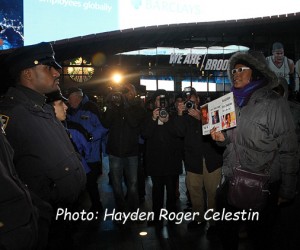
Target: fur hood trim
(255, 60)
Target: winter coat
(80, 139)
(191, 130)
(18, 217)
(88, 115)
(197, 146)
(265, 132)
(163, 147)
(123, 123)
(44, 158)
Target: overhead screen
(50, 20)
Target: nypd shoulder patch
(4, 120)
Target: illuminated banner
(75, 18)
(11, 24)
(197, 59)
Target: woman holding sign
(264, 138)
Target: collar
(242, 96)
(34, 96)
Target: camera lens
(189, 105)
(163, 113)
(116, 99)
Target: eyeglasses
(239, 70)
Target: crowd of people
(51, 151)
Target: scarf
(243, 95)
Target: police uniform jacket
(18, 216)
(45, 159)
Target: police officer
(45, 159)
(78, 135)
(18, 217)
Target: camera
(163, 113)
(189, 104)
(121, 89)
(188, 91)
(117, 98)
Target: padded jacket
(265, 133)
(88, 116)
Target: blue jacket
(78, 136)
(88, 115)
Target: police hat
(55, 96)
(31, 56)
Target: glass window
(149, 83)
(212, 86)
(200, 86)
(185, 83)
(166, 84)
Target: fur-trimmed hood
(285, 87)
(255, 60)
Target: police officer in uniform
(45, 159)
(18, 217)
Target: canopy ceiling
(257, 33)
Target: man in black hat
(44, 157)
